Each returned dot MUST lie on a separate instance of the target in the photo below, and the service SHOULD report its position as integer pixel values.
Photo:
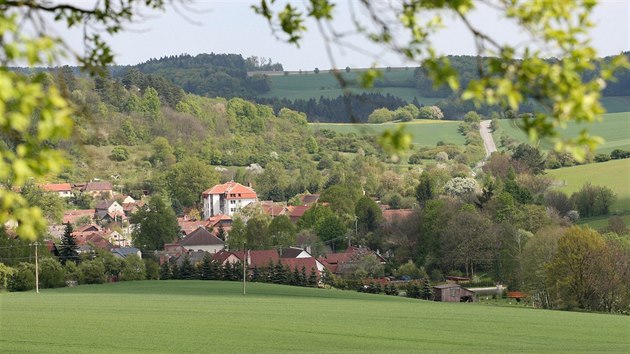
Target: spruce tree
(427, 293)
(256, 275)
(165, 271)
(186, 271)
(175, 271)
(312, 278)
(206, 267)
(303, 279)
(221, 232)
(68, 249)
(295, 277)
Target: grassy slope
(425, 132)
(614, 174)
(197, 316)
(615, 129)
(309, 85)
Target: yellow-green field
(209, 316)
(614, 174)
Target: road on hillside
(486, 135)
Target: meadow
(614, 174)
(425, 132)
(614, 128)
(209, 316)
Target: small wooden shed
(452, 293)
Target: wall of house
(207, 248)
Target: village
(204, 238)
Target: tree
(380, 115)
(51, 204)
(186, 271)
(531, 157)
(331, 231)
(51, 273)
(369, 215)
(23, 277)
(509, 76)
(119, 153)
(237, 238)
(165, 271)
(593, 200)
(134, 268)
(461, 187)
(282, 231)
(163, 153)
(424, 190)
(156, 224)
(39, 116)
(430, 112)
(92, 272)
(187, 179)
(68, 248)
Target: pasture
(614, 174)
(614, 128)
(425, 132)
(209, 316)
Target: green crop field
(614, 174)
(207, 316)
(614, 128)
(425, 132)
(310, 85)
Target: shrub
(23, 278)
(119, 153)
(92, 272)
(51, 273)
(152, 269)
(602, 157)
(133, 268)
(6, 273)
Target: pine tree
(175, 271)
(312, 278)
(206, 267)
(186, 271)
(303, 279)
(427, 293)
(165, 271)
(68, 249)
(279, 276)
(295, 278)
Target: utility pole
(36, 269)
(245, 256)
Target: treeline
(468, 69)
(212, 75)
(353, 108)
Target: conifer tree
(295, 277)
(303, 279)
(426, 294)
(256, 275)
(186, 271)
(68, 249)
(165, 271)
(221, 232)
(206, 267)
(175, 271)
(312, 278)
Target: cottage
(64, 190)
(124, 252)
(99, 189)
(202, 240)
(227, 198)
(452, 293)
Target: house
(295, 252)
(308, 199)
(64, 190)
(452, 293)
(195, 257)
(272, 208)
(202, 240)
(124, 252)
(296, 212)
(99, 189)
(227, 198)
(118, 239)
(105, 207)
(224, 257)
(187, 226)
(346, 262)
(72, 216)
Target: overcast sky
(232, 27)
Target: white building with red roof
(227, 198)
(63, 189)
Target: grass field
(614, 174)
(614, 128)
(425, 132)
(310, 85)
(204, 316)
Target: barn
(452, 293)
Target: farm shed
(452, 293)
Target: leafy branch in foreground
(561, 84)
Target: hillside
(198, 316)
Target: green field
(425, 132)
(206, 316)
(614, 128)
(310, 85)
(614, 174)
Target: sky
(233, 27)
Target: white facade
(227, 199)
(208, 248)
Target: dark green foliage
(68, 248)
(518, 192)
(391, 289)
(165, 271)
(92, 272)
(119, 153)
(312, 278)
(206, 270)
(187, 271)
(369, 215)
(531, 157)
(156, 224)
(426, 293)
(413, 291)
(256, 275)
(175, 271)
(51, 273)
(619, 154)
(23, 278)
(152, 269)
(593, 200)
(424, 190)
(303, 280)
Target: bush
(71, 272)
(152, 269)
(92, 272)
(23, 278)
(6, 273)
(133, 269)
(619, 154)
(51, 273)
(119, 153)
(602, 157)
